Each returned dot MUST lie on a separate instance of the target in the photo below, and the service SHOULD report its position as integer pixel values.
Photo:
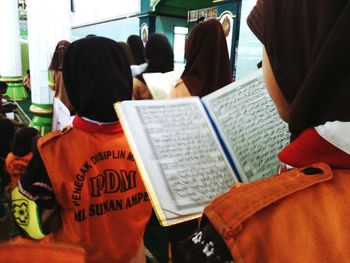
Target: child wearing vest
(17, 160)
(86, 173)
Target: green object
(15, 88)
(26, 214)
(42, 117)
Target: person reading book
(160, 58)
(207, 69)
(87, 171)
(208, 66)
(301, 214)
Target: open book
(160, 84)
(61, 115)
(191, 150)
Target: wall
(24, 46)
(145, 6)
(118, 30)
(91, 11)
(233, 8)
(165, 25)
(249, 47)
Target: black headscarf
(308, 46)
(159, 55)
(96, 74)
(137, 49)
(7, 131)
(23, 141)
(208, 66)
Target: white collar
(336, 133)
(97, 122)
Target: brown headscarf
(58, 56)
(308, 45)
(208, 66)
(127, 50)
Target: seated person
(5, 106)
(21, 152)
(26, 82)
(7, 131)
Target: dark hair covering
(3, 88)
(58, 55)
(159, 55)
(96, 74)
(137, 48)
(208, 66)
(127, 50)
(23, 140)
(7, 131)
(308, 45)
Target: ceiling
(181, 7)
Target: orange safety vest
(302, 215)
(104, 205)
(16, 166)
(23, 250)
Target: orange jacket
(16, 166)
(24, 250)
(104, 205)
(301, 215)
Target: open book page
(179, 156)
(160, 84)
(249, 125)
(61, 115)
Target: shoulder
(140, 90)
(9, 158)
(138, 83)
(179, 90)
(250, 198)
(53, 136)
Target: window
(180, 34)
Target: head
(137, 48)
(96, 74)
(310, 75)
(24, 139)
(58, 56)
(201, 19)
(3, 87)
(127, 50)
(208, 66)
(282, 105)
(159, 54)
